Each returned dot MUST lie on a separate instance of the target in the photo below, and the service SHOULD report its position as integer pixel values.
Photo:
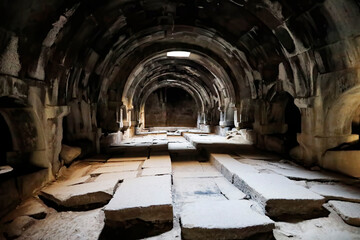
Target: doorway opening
(170, 107)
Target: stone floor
(167, 191)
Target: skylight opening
(178, 54)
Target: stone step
(194, 169)
(280, 197)
(140, 207)
(157, 161)
(67, 225)
(229, 219)
(336, 191)
(194, 189)
(113, 167)
(79, 196)
(348, 211)
(291, 170)
(157, 165)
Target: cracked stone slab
(145, 198)
(291, 170)
(115, 176)
(155, 171)
(348, 211)
(18, 226)
(180, 146)
(74, 181)
(279, 196)
(68, 225)
(228, 190)
(233, 219)
(117, 167)
(329, 228)
(32, 207)
(211, 174)
(158, 161)
(337, 192)
(194, 189)
(126, 159)
(80, 196)
(228, 166)
(194, 169)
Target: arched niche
(342, 145)
(22, 126)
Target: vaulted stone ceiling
(95, 59)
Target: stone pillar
(236, 119)
(54, 116)
(226, 117)
(199, 120)
(130, 132)
(121, 123)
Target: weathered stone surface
(74, 181)
(145, 198)
(126, 159)
(279, 196)
(117, 167)
(141, 207)
(337, 191)
(16, 227)
(76, 170)
(158, 161)
(86, 195)
(194, 169)
(228, 190)
(33, 207)
(155, 171)
(97, 158)
(330, 228)
(115, 176)
(222, 220)
(9, 59)
(69, 153)
(68, 225)
(291, 170)
(194, 189)
(348, 211)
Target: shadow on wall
(5, 141)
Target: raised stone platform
(140, 207)
(279, 196)
(233, 219)
(79, 196)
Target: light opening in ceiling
(178, 54)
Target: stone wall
(170, 107)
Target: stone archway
(161, 109)
(342, 153)
(27, 137)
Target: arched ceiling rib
(199, 99)
(193, 67)
(202, 91)
(87, 49)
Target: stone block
(233, 219)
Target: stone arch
(28, 139)
(339, 117)
(161, 107)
